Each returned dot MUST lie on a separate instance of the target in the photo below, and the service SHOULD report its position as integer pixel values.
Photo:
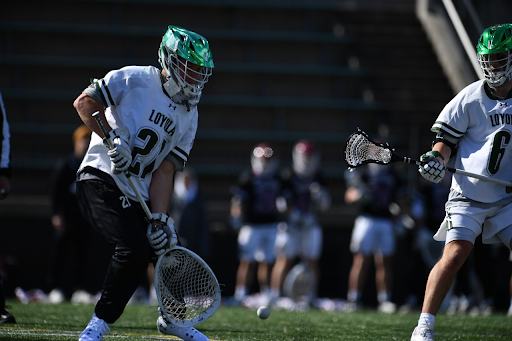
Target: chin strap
(175, 92)
(171, 87)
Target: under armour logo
(172, 106)
(503, 104)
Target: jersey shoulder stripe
(439, 125)
(180, 153)
(106, 93)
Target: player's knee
(137, 255)
(455, 254)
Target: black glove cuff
(437, 154)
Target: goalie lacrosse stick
(300, 282)
(187, 290)
(361, 150)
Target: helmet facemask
(305, 158)
(497, 68)
(190, 77)
(263, 160)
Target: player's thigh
(267, 240)
(363, 238)
(505, 235)
(499, 226)
(287, 243)
(247, 242)
(385, 236)
(312, 241)
(117, 219)
(465, 222)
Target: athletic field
(66, 321)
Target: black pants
(120, 222)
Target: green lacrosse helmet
(180, 48)
(494, 52)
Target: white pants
(371, 235)
(306, 243)
(256, 242)
(493, 222)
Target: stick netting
(300, 283)
(186, 287)
(361, 150)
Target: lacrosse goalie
(151, 117)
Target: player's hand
(320, 196)
(432, 170)
(120, 155)
(161, 233)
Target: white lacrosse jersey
(484, 128)
(136, 101)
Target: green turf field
(66, 321)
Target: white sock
(274, 293)
(426, 320)
(240, 292)
(353, 296)
(383, 296)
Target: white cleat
(95, 330)
(187, 334)
(422, 334)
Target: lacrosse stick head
(361, 150)
(187, 290)
(300, 283)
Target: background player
(374, 189)
(301, 237)
(188, 209)
(5, 189)
(72, 236)
(154, 116)
(255, 209)
(474, 132)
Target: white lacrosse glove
(433, 170)
(161, 233)
(120, 154)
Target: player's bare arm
(85, 107)
(444, 150)
(161, 187)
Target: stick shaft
(461, 172)
(145, 207)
